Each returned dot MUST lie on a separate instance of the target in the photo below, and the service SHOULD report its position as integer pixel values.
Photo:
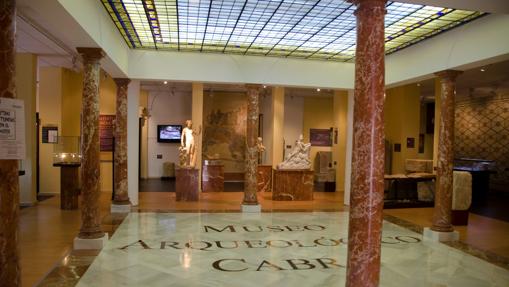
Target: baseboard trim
(49, 193)
(27, 204)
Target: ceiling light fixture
(165, 82)
(318, 89)
(418, 84)
(482, 70)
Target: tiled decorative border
(485, 255)
(68, 271)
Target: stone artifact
(261, 149)
(187, 150)
(298, 158)
(259, 145)
(264, 178)
(212, 176)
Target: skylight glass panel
(313, 29)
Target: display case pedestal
(187, 184)
(69, 186)
(213, 178)
(264, 178)
(294, 184)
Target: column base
(120, 208)
(431, 235)
(251, 208)
(87, 244)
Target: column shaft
(365, 224)
(445, 157)
(120, 161)
(90, 217)
(9, 186)
(250, 182)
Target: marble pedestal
(213, 178)
(438, 236)
(187, 184)
(120, 208)
(264, 178)
(69, 186)
(292, 185)
(255, 208)
(88, 244)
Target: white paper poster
(12, 129)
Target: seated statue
(298, 158)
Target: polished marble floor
(270, 249)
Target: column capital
(368, 3)
(91, 54)
(448, 74)
(122, 81)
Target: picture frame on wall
(49, 134)
(320, 137)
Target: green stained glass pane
(286, 28)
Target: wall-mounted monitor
(169, 133)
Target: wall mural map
(268, 249)
(225, 129)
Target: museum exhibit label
(12, 129)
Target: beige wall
(107, 105)
(318, 114)
(144, 137)
(50, 113)
(107, 95)
(26, 90)
(339, 148)
(278, 116)
(72, 91)
(60, 94)
(402, 120)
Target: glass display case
(474, 164)
(67, 151)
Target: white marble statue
(187, 150)
(298, 158)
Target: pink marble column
(445, 158)
(250, 181)
(9, 188)
(121, 196)
(90, 217)
(366, 200)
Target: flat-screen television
(169, 133)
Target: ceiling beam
(490, 6)
(456, 49)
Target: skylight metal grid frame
(311, 29)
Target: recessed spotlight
(264, 86)
(483, 70)
(318, 89)
(165, 82)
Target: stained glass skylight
(311, 29)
